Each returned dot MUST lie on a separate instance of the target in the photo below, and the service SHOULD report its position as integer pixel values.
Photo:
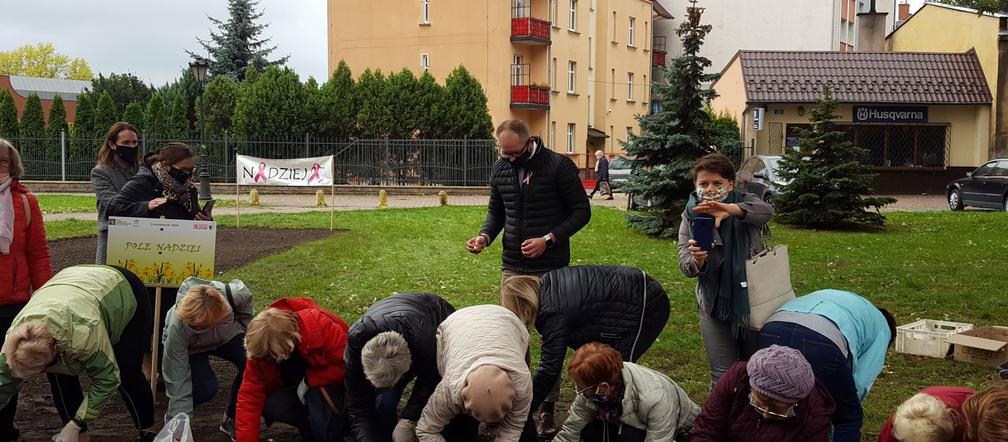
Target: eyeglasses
(771, 414)
(582, 391)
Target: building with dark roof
(20, 87)
(923, 117)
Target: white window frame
(425, 61)
(552, 137)
(553, 13)
(571, 137)
(517, 70)
(572, 16)
(425, 11)
(630, 32)
(571, 77)
(629, 86)
(553, 75)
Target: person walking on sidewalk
(602, 176)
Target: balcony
(658, 58)
(528, 30)
(659, 51)
(525, 95)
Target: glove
(302, 390)
(70, 433)
(405, 431)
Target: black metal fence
(357, 162)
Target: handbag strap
(765, 237)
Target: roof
(944, 6)
(48, 88)
(660, 10)
(863, 77)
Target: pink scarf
(6, 216)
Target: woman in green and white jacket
(208, 318)
(88, 319)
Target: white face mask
(713, 193)
(4, 176)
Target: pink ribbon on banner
(262, 172)
(315, 173)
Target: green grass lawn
(57, 203)
(937, 265)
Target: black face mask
(521, 160)
(126, 153)
(178, 175)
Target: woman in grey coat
(721, 287)
(118, 161)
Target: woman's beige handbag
(768, 277)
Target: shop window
(872, 139)
(931, 146)
(901, 146)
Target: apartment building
(578, 71)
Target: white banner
(316, 171)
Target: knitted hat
(488, 394)
(781, 374)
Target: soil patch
(37, 418)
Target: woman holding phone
(720, 228)
(166, 189)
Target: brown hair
(172, 153)
(595, 363)
(986, 414)
(105, 157)
(715, 163)
(12, 155)
(519, 127)
(272, 335)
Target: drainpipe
(999, 147)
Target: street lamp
(199, 69)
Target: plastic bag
(176, 430)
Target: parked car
(759, 175)
(619, 171)
(986, 187)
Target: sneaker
(227, 426)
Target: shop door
(776, 139)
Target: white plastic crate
(927, 337)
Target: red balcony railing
(530, 30)
(530, 97)
(658, 58)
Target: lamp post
(199, 69)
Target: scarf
(173, 190)
(609, 408)
(722, 289)
(6, 216)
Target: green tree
(9, 127)
(57, 119)
(402, 98)
(156, 118)
(42, 60)
(178, 121)
(237, 44)
(33, 120)
(467, 114)
(272, 106)
(339, 104)
(83, 125)
(828, 187)
(991, 6)
(374, 118)
(672, 139)
(123, 88)
(432, 105)
(186, 86)
(134, 115)
(32, 132)
(727, 137)
(221, 94)
(106, 115)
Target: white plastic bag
(176, 430)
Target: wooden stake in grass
(382, 199)
(320, 199)
(443, 197)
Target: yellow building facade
(578, 71)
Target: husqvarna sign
(890, 114)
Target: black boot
(546, 427)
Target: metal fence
(357, 162)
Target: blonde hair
(202, 306)
(272, 335)
(29, 349)
(923, 418)
(16, 167)
(986, 414)
(520, 294)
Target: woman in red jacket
(774, 397)
(24, 253)
(934, 414)
(294, 372)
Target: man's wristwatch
(549, 241)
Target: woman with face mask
(118, 161)
(167, 189)
(721, 292)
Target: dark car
(759, 175)
(985, 187)
(619, 171)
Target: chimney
(871, 30)
(904, 11)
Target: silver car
(760, 175)
(619, 171)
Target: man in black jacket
(601, 175)
(536, 197)
(390, 345)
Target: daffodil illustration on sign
(162, 252)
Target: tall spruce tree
(134, 115)
(237, 44)
(339, 104)
(106, 115)
(8, 116)
(221, 94)
(156, 118)
(33, 120)
(33, 145)
(374, 117)
(432, 101)
(829, 187)
(178, 121)
(467, 113)
(83, 125)
(672, 139)
(57, 127)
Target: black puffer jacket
(144, 186)
(415, 316)
(552, 201)
(583, 304)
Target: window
(425, 61)
(630, 33)
(647, 89)
(612, 85)
(570, 137)
(552, 134)
(517, 71)
(553, 75)
(553, 12)
(629, 86)
(425, 6)
(647, 36)
(572, 17)
(571, 76)
(612, 137)
(591, 54)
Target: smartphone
(208, 207)
(703, 232)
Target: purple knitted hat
(781, 374)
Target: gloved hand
(70, 433)
(405, 431)
(302, 390)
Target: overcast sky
(149, 38)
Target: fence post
(143, 142)
(63, 154)
(227, 158)
(307, 150)
(465, 161)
